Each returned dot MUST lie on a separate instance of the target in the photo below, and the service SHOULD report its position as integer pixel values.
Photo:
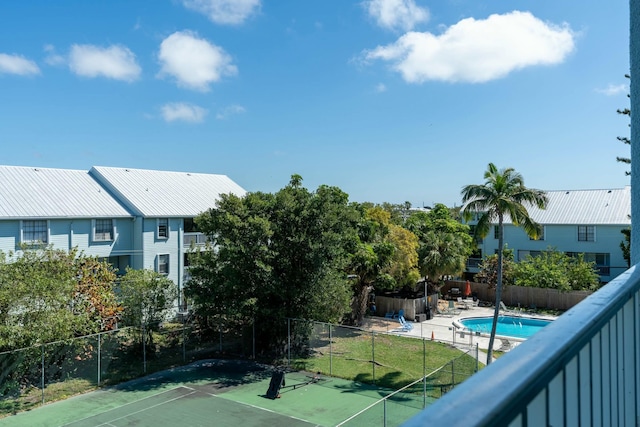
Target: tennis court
(216, 392)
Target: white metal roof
(585, 207)
(152, 193)
(27, 192)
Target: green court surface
(225, 393)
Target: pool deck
(442, 328)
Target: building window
(163, 264)
(540, 236)
(601, 260)
(35, 231)
(586, 233)
(103, 230)
(163, 228)
(523, 254)
(190, 226)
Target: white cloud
(477, 51)
(396, 14)
(231, 12)
(194, 62)
(53, 58)
(229, 111)
(380, 87)
(114, 62)
(184, 112)
(16, 64)
(613, 90)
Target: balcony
(583, 369)
(473, 262)
(197, 239)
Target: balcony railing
(198, 239)
(582, 370)
(474, 262)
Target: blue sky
(390, 100)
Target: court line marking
(134, 402)
(108, 423)
(263, 409)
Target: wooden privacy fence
(525, 297)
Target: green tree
(557, 270)
(274, 256)
(48, 294)
(625, 246)
(489, 269)
(384, 257)
(444, 244)
(502, 196)
(625, 139)
(147, 298)
(94, 295)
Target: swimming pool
(509, 326)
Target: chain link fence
(33, 376)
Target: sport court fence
(53, 371)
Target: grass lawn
(389, 361)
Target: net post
(144, 350)
(253, 339)
(384, 413)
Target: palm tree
(502, 196)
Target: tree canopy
(48, 294)
(557, 270)
(503, 195)
(444, 243)
(274, 256)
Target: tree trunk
(360, 302)
(496, 311)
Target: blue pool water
(511, 326)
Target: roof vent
(566, 192)
(609, 191)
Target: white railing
(582, 370)
(197, 239)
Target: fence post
(99, 357)
(424, 373)
(330, 349)
(453, 377)
(144, 350)
(42, 365)
(184, 339)
(220, 335)
(373, 355)
(477, 358)
(253, 339)
(288, 341)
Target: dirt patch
(379, 324)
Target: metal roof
(586, 207)
(27, 192)
(152, 193)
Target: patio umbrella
(467, 289)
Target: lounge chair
(450, 311)
(507, 310)
(399, 314)
(404, 325)
(463, 303)
(389, 314)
